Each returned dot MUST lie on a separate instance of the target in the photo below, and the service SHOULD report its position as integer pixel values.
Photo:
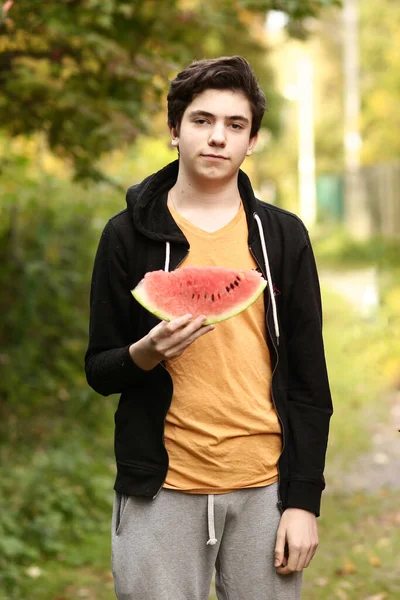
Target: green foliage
(49, 499)
(337, 249)
(47, 245)
(45, 254)
(380, 79)
(55, 433)
(379, 31)
(90, 74)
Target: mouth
(215, 156)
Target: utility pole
(356, 212)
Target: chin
(216, 171)
(214, 174)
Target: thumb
(279, 547)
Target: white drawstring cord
(211, 524)
(167, 256)
(269, 278)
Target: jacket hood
(147, 204)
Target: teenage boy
(221, 432)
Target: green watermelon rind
(139, 293)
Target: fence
(382, 188)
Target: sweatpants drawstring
(211, 522)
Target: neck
(208, 205)
(204, 194)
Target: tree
(90, 74)
(380, 80)
(379, 31)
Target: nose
(217, 136)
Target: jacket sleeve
(108, 365)
(309, 398)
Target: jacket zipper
(279, 503)
(165, 416)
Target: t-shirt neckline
(180, 220)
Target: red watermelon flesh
(214, 292)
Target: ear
(174, 136)
(252, 143)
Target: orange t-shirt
(222, 432)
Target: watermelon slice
(214, 292)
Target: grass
(359, 554)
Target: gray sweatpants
(167, 548)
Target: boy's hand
(298, 530)
(167, 340)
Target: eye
(200, 121)
(236, 126)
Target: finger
(199, 321)
(293, 558)
(196, 324)
(310, 555)
(169, 345)
(284, 563)
(302, 560)
(186, 333)
(308, 558)
(280, 547)
(188, 327)
(202, 331)
(177, 323)
(284, 570)
(176, 350)
(167, 328)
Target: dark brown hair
(224, 73)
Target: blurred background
(83, 88)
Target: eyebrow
(204, 113)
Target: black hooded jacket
(134, 242)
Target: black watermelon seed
(227, 289)
(238, 278)
(232, 286)
(212, 297)
(193, 295)
(236, 283)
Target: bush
(56, 434)
(53, 498)
(46, 257)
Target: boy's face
(214, 135)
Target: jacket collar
(147, 203)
